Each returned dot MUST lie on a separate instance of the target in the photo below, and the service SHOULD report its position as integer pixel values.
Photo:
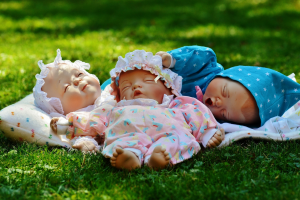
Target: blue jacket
(197, 65)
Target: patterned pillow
(23, 121)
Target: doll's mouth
(137, 93)
(84, 87)
(208, 102)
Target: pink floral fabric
(178, 127)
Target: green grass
(253, 32)
(250, 170)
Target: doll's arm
(196, 64)
(189, 58)
(167, 60)
(59, 125)
(82, 123)
(88, 123)
(193, 58)
(62, 126)
(85, 144)
(200, 119)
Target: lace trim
(105, 97)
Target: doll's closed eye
(125, 87)
(66, 88)
(149, 80)
(225, 92)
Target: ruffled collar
(147, 102)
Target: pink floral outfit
(140, 125)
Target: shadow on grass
(230, 25)
(119, 15)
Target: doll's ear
(115, 91)
(250, 111)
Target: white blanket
(282, 128)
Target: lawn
(253, 32)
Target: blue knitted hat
(274, 92)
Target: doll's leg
(122, 148)
(159, 154)
(172, 149)
(125, 151)
(125, 159)
(159, 158)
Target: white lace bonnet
(53, 104)
(140, 59)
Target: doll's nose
(136, 85)
(76, 81)
(212, 101)
(218, 102)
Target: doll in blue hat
(250, 95)
(243, 94)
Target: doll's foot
(217, 138)
(159, 158)
(124, 159)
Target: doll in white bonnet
(63, 87)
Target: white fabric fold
(277, 128)
(147, 102)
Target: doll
(243, 94)
(152, 123)
(63, 87)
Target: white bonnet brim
(53, 105)
(140, 59)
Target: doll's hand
(86, 147)
(100, 139)
(166, 58)
(53, 124)
(216, 139)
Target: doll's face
(140, 84)
(75, 89)
(231, 101)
